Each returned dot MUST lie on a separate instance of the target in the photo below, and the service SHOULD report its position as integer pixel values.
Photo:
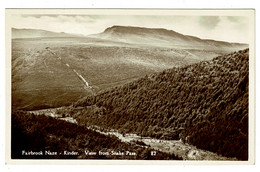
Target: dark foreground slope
(48, 135)
(205, 104)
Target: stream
(176, 147)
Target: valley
(204, 104)
(176, 147)
(143, 88)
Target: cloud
(234, 18)
(209, 22)
(55, 23)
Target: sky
(222, 28)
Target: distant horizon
(127, 26)
(222, 28)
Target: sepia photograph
(122, 84)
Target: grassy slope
(39, 80)
(205, 104)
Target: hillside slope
(103, 64)
(163, 38)
(205, 104)
(59, 58)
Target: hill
(56, 69)
(102, 63)
(38, 33)
(164, 38)
(205, 104)
(45, 71)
